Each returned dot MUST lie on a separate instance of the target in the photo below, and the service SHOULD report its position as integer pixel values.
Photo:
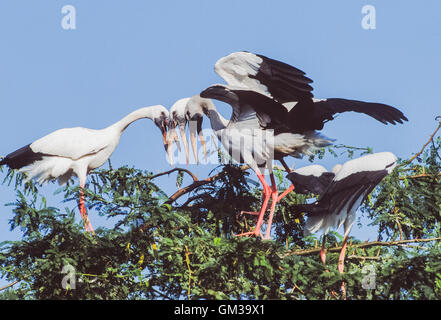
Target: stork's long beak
(201, 137)
(197, 128)
(172, 137)
(185, 142)
(193, 142)
(163, 128)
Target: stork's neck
(122, 124)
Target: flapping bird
(272, 99)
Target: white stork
(269, 95)
(77, 151)
(341, 192)
(179, 117)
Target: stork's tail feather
(317, 219)
(21, 158)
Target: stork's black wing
(346, 191)
(274, 78)
(382, 112)
(312, 115)
(305, 184)
(250, 106)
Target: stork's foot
(253, 213)
(254, 233)
(87, 225)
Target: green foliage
(157, 250)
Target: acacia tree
(182, 245)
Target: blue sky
(126, 55)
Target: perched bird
(274, 100)
(179, 118)
(76, 151)
(341, 192)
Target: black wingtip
(21, 158)
(213, 91)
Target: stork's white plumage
(266, 95)
(341, 191)
(77, 151)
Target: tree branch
(9, 285)
(427, 143)
(361, 245)
(173, 170)
(197, 184)
(420, 176)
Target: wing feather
(73, 143)
(273, 78)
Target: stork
(266, 95)
(341, 192)
(179, 118)
(76, 151)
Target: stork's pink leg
(291, 187)
(267, 194)
(274, 200)
(284, 193)
(341, 259)
(83, 212)
(341, 264)
(322, 251)
(323, 258)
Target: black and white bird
(341, 192)
(271, 98)
(76, 151)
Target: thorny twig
(359, 246)
(197, 184)
(173, 170)
(438, 118)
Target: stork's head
(194, 113)
(160, 115)
(177, 119)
